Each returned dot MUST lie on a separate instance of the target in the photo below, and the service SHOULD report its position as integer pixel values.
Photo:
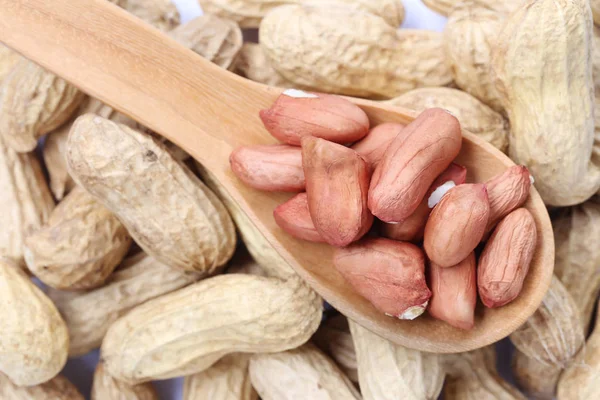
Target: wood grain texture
(209, 112)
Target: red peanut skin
(337, 182)
(373, 146)
(294, 218)
(271, 168)
(413, 227)
(390, 274)
(457, 224)
(454, 293)
(507, 192)
(327, 116)
(411, 163)
(505, 260)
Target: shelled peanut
(346, 173)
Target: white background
(80, 370)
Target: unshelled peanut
(474, 116)
(334, 338)
(26, 201)
(538, 380)
(544, 78)
(167, 210)
(473, 376)
(577, 240)
(80, 245)
(8, 59)
(249, 13)
(106, 387)
(469, 37)
(253, 63)
(302, 373)
(35, 341)
(334, 49)
(162, 14)
(445, 7)
(389, 371)
(89, 314)
(34, 102)
(228, 379)
(187, 331)
(216, 39)
(412, 162)
(580, 379)
(58, 388)
(553, 334)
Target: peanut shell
(129, 173)
(58, 388)
(34, 341)
(228, 379)
(577, 238)
(334, 338)
(469, 37)
(216, 39)
(106, 387)
(388, 371)
(89, 314)
(249, 13)
(536, 379)
(187, 331)
(553, 334)
(161, 14)
(80, 245)
(34, 102)
(473, 376)
(26, 201)
(542, 67)
(8, 59)
(445, 7)
(334, 49)
(302, 373)
(253, 63)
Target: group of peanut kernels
(405, 177)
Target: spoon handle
(138, 70)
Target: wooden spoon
(208, 111)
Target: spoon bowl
(208, 111)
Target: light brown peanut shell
(167, 210)
(445, 7)
(536, 379)
(577, 239)
(80, 245)
(187, 331)
(474, 116)
(473, 376)
(258, 246)
(580, 381)
(595, 4)
(389, 371)
(58, 388)
(302, 373)
(8, 59)
(106, 387)
(162, 14)
(549, 97)
(34, 102)
(252, 63)
(55, 145)
(216, 39)
(89, 314)
(334, 338)
(228, 379)
(249, 13)
(34, 341)
(334, 49)
(553, 334)
(469, 37)
(26, 202)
